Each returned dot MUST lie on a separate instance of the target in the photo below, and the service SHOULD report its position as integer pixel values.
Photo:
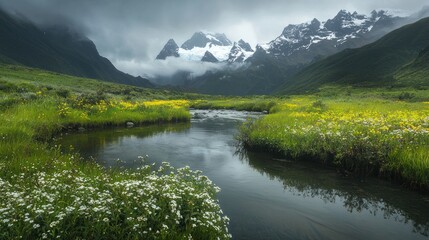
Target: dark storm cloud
(132, 32)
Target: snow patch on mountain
(196, 54)
(239, 52)
(195, 48)
(338, 30)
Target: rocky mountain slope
(57, 49)
(372, 65)
(263, 69)
(306, 42)
(205, 44)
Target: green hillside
(416, 73)
(57, 49)
(262, 76)
(27, 81)
(372, 65)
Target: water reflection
(266, 197)
(91, 143)
(311, 180)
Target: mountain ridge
(372, 65)
(57, 49)
(306, 41)
(195, 48)
(416, 73)
(299, 45)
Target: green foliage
(416, 73)
(406, 96)
(21, 79)
(57, 49)
(256, 104)
(7, 87)
(64, 93)
(363, 136)
(46, 193)
(262, 75)
(147, 203)
(374, 65)
(91, 98)
(319, 104)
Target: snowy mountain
(298, 43)
(240, 52)
(306, 41)
(207, 47)
(171, 49)
(273, 63)
(201, 39)
(208, 57)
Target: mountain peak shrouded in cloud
(57, 49)
(170, 49)
(298, 45)
(201, 39)
(306, 41)
(208, 57)
(245, 45)
(236, 54)
(148, 23)
(207, 47)
(196, 47)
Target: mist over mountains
(59, 49)
(206, 62)
(260, 71)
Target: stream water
(265, 197)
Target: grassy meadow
(361, 131)
(377, 132)
(255, 104)
(45, 193)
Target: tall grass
(45, 193)
(373, 136)
(256, 104)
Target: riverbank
(254, 183)
(378, 132)
(48, 194)
(375, 135)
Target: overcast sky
(132, 32)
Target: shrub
(406, 96)
(144, 204)
(64, 93)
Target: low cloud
(167, 68)
(132, 33)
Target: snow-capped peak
(245, 46)
(201, 39)
(208, 46)
(240, 52)
(337, 31)
(171, 49)
(208, 57)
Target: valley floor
(47, 193)
(360, 131)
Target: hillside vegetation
(372, 65)
(46, 193)
(377, 132)
(416, 73)
(58, 49)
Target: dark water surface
(266, 197)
